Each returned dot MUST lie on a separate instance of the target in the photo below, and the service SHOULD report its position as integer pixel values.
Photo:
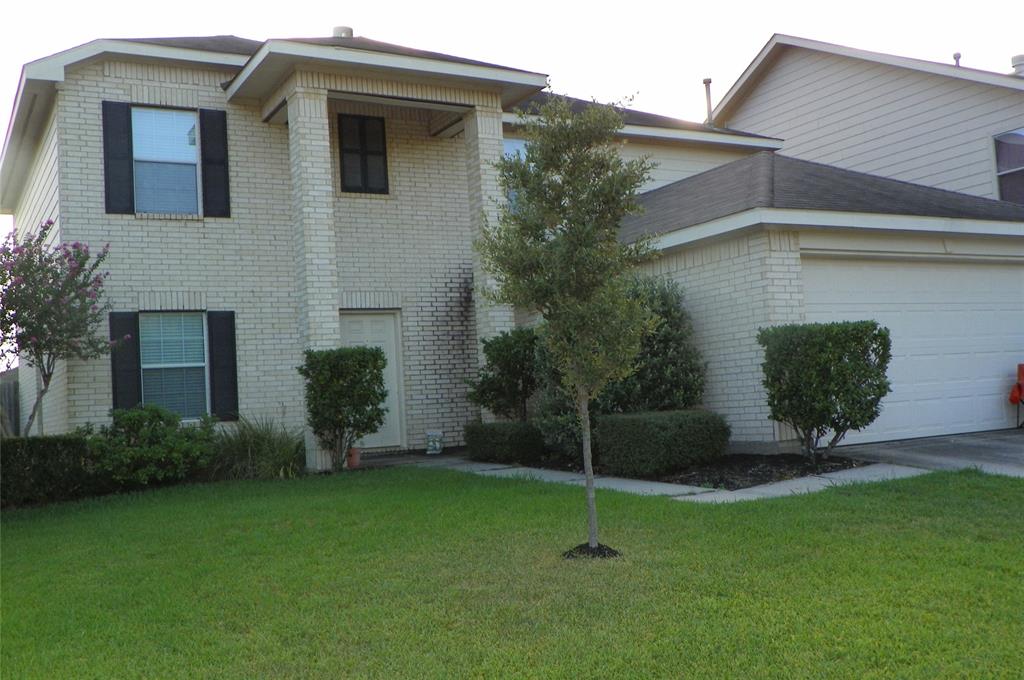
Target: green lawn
(427, 573)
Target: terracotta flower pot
(352, 459)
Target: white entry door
(957, 336)
(379, 329)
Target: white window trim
(206, 360)
(198, 163)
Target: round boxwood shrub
(825, 379)
(657, 443)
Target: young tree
(555, 250)
(51, 305)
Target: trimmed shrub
(345, 395)
(669, 371)
(508, 378)
(825, 378)
(148, 445)
(46, 469)
(658, 443)
(563, 440)
(257, 449)
(504, 442)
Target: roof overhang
(827, 219)
(36, 93)
(276, 59)
(778, 43)
(677, 135)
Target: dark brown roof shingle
(769, 180)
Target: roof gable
(766, 58)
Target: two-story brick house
(265, 197)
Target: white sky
(657, 51)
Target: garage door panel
(957, 331)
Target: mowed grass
(414, 573)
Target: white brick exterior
(297, 250)
(732, 288)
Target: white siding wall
(678, 161)
(675, 161)
(883, 120)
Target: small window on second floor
(364, 158)
(166, 161)
(1010, 165)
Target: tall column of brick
(484, 146)
(316, 263)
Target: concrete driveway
(1000, 452)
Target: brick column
(316, 264)
(484, 146)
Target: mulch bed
(583, 550)
(740, 471)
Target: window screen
(164, 144)
(172, 348)
(1010, 165)
(364, 163)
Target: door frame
(396, 320)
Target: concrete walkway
(1000, 452)
(681, 492)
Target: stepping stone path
(681, 492)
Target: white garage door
(957, 337)
(379, 330)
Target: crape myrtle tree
(51, 305)
(555, 250)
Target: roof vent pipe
(707, 95)
(1018, 65)
(956, 59)
(342, 31)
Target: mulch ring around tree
(583, 550)
(740, 471)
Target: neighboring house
(265, 197)
(942, 125)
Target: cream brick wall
(296, 249)
(40, 202)
(733, 287)
(243, 263)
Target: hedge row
(44, 469)
(629, 444)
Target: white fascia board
(52, 67)
(38, 77)
(934, 68)
(675, 135)
(367, 58)
(827, 219)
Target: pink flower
(95, 308)
(127, 337)
(18, 280)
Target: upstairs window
(165, 161)
(364, 162)
(1010, 165)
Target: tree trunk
(583, 410)
(38, 403)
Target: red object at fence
(1017, 391)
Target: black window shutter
(118, 174)
(126, 369)
(213, 134)
(220, 328)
